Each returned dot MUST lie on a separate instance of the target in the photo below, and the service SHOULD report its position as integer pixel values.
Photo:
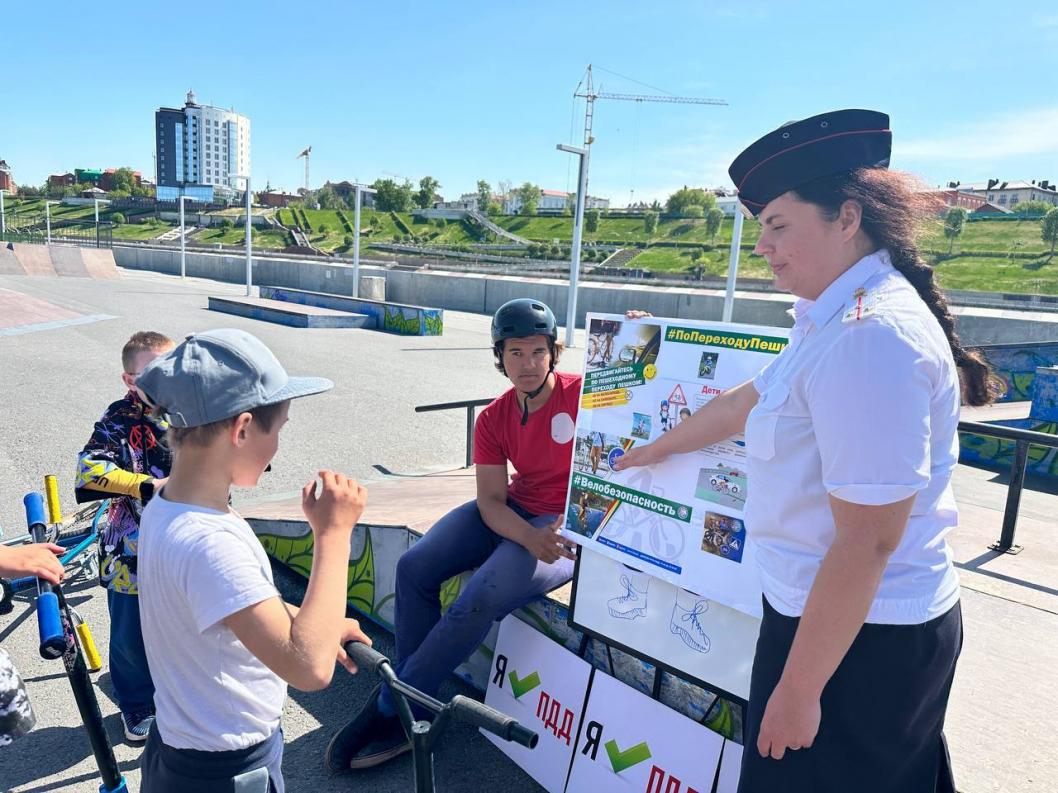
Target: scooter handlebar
(478, 714)
(469, 711)
(49, 623)
(365, 657)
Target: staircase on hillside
(620, 258)
(483, 220)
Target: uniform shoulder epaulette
(864, 303)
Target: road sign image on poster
(701, 639)
(543, 686)
(630, 742)
(681, 519)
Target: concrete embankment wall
(483, 294)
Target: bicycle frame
(82, 545)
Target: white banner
(701, 638)
(632, 743)
(680, 520)
(543, 686)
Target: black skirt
(881, 729)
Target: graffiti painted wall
(1015, 365)
(371, 582)
(390, 317)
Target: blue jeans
(129, 673)
(431, 645)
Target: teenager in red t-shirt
(509, 532)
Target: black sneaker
(370, 739)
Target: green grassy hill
(990, 255)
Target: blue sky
(470, 90)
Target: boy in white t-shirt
(221, 643)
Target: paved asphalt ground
(55, 383)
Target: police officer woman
(851, 442)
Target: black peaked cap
(798, 152)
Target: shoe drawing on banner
(633, 603)
(685, 621)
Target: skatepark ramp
(66, 261)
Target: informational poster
(707, 641)
(544, 686)
(682, 519)
(596, 733)
(633, 743)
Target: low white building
(1008, 195)
(552, 201)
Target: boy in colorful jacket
(125, 460)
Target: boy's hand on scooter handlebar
(351, 633)
(546, 544)
(36, 559)
(338, 506)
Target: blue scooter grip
(49, 625)
(34, 504)
(49, 622)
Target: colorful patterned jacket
(125, 450)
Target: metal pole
(1014, 488)
(3, 216)
(95, 201)
(47, 215)
(470, 436)
(183, 251)
(356, 241)
(732, 267)
(578, 223)
(249, 242)
(422, 757)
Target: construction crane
(586, 90)
(306, 154)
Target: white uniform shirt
(863, 404)
(197, 567)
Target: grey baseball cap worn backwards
(218, 374)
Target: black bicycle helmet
(523, 317)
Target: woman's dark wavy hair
(892, 216)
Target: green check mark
(629, 757)
(527, 683)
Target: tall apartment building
(200, 151)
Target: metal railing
(469, 405)
(1023, 439)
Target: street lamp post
(732, 267)
(47, 217)
(249, 233)
(356, 238)
(183, 243)
(3, 217)
(578, 226)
